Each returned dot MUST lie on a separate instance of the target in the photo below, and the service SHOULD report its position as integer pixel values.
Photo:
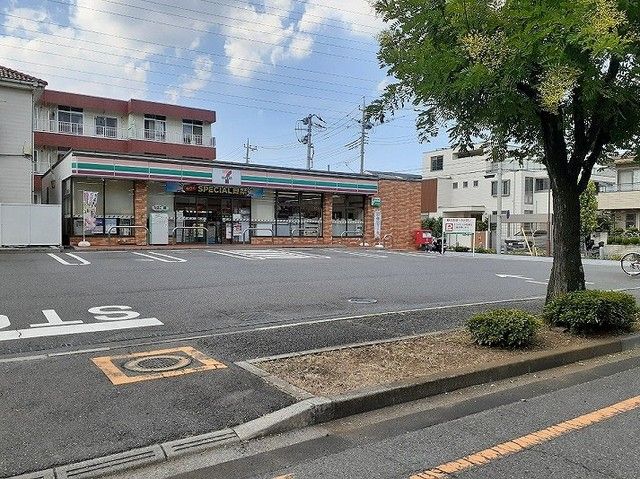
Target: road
(61, 311)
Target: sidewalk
(542, 259)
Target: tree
(588, 209)
(559, 79)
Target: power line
(148, 82)
(338, 23)
(233, 19)
(200, 30)
(164, 45)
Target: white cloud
(285, 38)
(97, 53)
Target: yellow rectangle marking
(118, 377)
(524, 442)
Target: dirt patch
(343, 370)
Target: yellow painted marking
(525, 442)
(118, 377)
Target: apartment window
(455, 185)
(348, 215)
(437, 163)
(106, 126)
(465, 184)
(506, 188)
(70, 120)
(155, 127)
(542, 184)
(192, 132)
(528, 191)
(475, 183)
(630, 220)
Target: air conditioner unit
(27, 150)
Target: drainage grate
(154, 364)
(363, 300)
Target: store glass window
(287, 213)
(113, 208)
(348, 215)
(80, 185)
(310, 214)
(118, 207)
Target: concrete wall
(16, 112)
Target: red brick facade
(400, 212)
(400, 216)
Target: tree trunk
(566, 274)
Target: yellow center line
(519, 444)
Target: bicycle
(630, 264)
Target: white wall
(263, 212)
(16, 142)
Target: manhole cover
(154, 364)
(363, 300)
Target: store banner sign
(89, 209)
(459, 225)
(377, 224)
(225, 176)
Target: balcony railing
(620, 187)
(79, 129)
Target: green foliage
(433, 224)
(503, 328)
(482, 225)
(592, 311)
(588, 209)
(626, 237)
(461, 249)
(604, 221)
(558, 78)
(482, 250)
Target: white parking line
(82, 261)
(415, 255)
(265, 254)
(358, 253)
(165, 258)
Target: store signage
(376, 202)
(459, 225)
(210, 189)
(225, 176)
(160, 208)
(89, 208)
(377, 224)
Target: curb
(312, 410)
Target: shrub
(461, 249)
(483, 250)
(503, 328)
(592, 311)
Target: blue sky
(261, 65)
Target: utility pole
(306, 125)
(363, 133)
(309, 143)
(499, 207)
(249, 148)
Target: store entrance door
(225, 218)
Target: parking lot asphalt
(60, 311)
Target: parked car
(539, 238)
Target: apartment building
(68, 121)
(466, 185)
(18, 94)
(623, 197)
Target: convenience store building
(229, 203)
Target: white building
(623, 198)
(466, 186)
(18, 94)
